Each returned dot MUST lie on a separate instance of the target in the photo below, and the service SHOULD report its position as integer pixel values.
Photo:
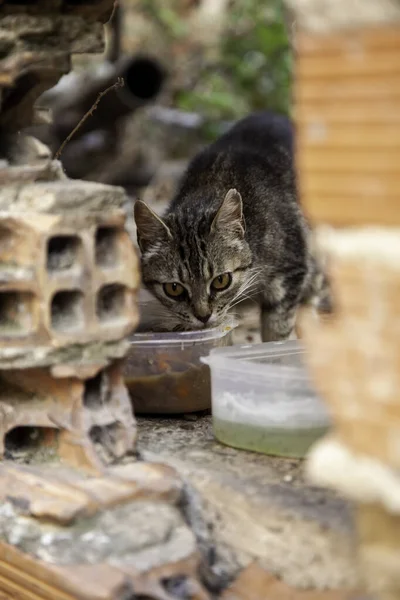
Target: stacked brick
(69, 277)
(80, 518)
(347, 90)
(68, 271)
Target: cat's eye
(222, 282)
(174, 290)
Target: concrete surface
(258, 507)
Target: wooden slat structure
(348, 123)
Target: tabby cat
(234, 230)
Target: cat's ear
(230, 213)
(151, 229)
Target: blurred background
(226, 58)
(191, 68)
(223, 59)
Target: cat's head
(197, 266)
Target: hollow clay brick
(80, 517)
(75, 419)
(68, 270)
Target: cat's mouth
(198, 326)
(213, 321)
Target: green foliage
(252, 70)
(165, 14)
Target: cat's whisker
(245, 286)
(249, 287)
(242, 299)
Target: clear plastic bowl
(262, 399)
(164, 373)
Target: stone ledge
(258, 507)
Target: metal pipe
(143, 79)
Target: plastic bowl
(262, 399)
(163, 371)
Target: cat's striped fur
(236, 212)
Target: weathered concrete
(258, 507)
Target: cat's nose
(203, 318)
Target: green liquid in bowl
(274, 441)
